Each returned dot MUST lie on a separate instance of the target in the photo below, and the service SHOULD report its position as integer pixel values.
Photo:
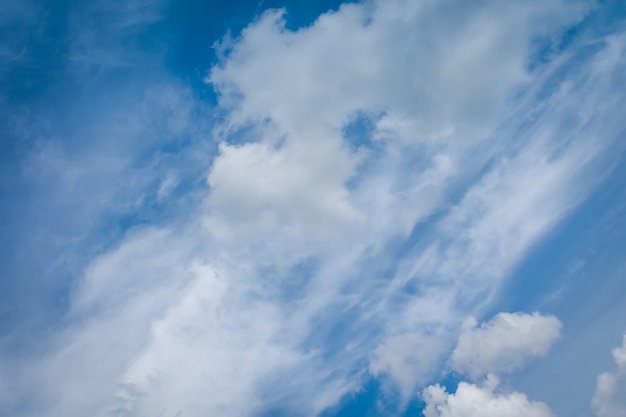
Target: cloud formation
(482, 400)
(503, 343)
(608, 399)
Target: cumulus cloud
(299, 88)
(608, 399)
(298, 186)
(482, 400)
(503, 343)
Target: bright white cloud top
(503, 343)
(356, 189)
(480, 400)
(608, 400)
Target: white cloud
(205, 356)
(503, 343)
(408, 358)
(300, 88)
(314, 78)
(482, 400)
(157, 325)
(110, 316)
(300, 185)
(608, 399)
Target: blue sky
(283, 208)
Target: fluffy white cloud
(608, 399)
(315, 77)
(482, 400)
(503, 343)
(300, 185)
(300, 88)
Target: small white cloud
(480, 401)
(503, 343)
(611, 387)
